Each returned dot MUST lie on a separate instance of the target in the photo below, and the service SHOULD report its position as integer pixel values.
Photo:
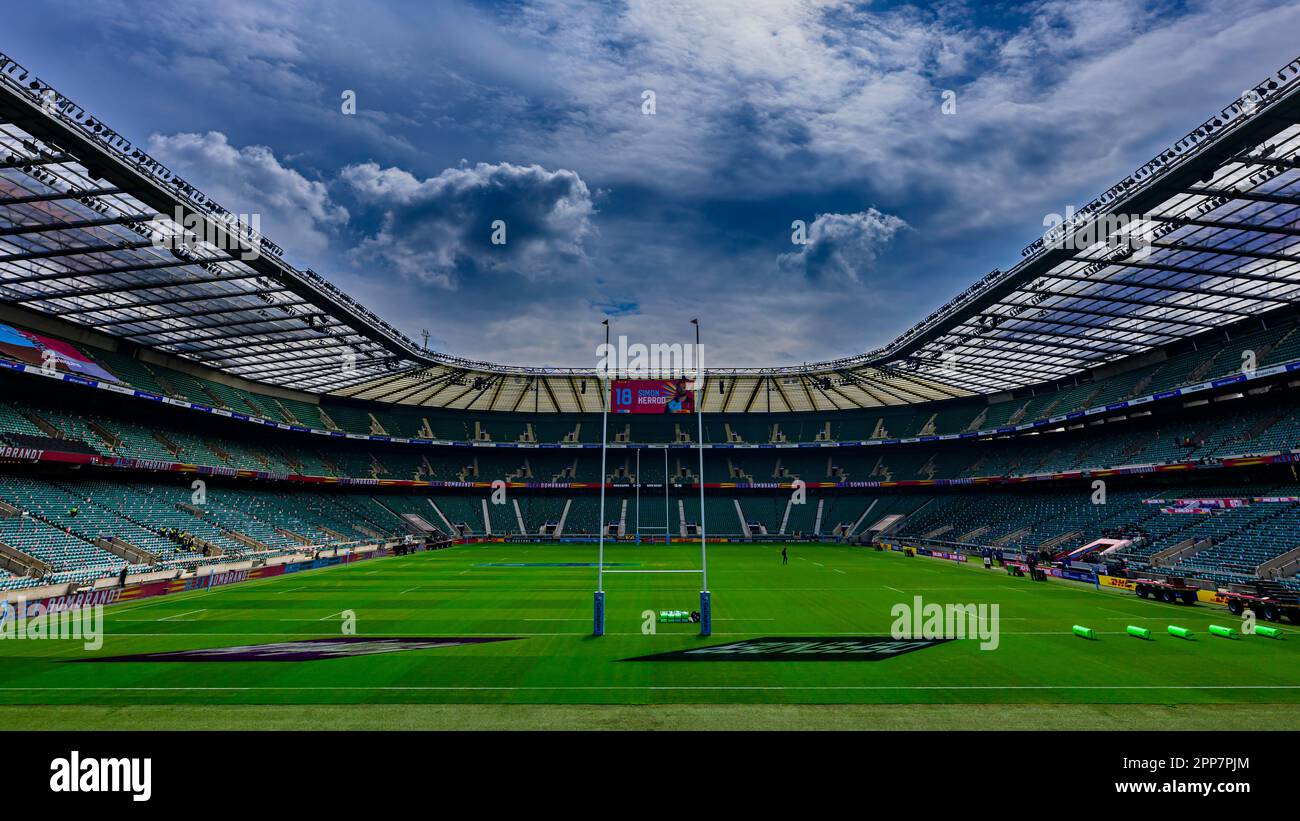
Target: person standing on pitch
(785, 558)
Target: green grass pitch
(557, 675)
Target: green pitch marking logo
(799, 648)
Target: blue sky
(766, 112)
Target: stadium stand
(1271, 346)
(983, 426)
(69, 516)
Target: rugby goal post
(706, 602)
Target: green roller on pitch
(1180, 632)
(1083, 632)
(674, 616)
(1139, 632)
(1271, 632)
(1223, 632)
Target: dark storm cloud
(471, 219)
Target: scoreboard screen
(652, 396)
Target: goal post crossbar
(655, 571)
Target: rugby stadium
(1070, 490)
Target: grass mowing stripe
(708, 687)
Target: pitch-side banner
(652, 396)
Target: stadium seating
(1269, 346)
(66, 517)
(1212, 431)
(241, 520)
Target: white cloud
(295, 212)
(841, 247)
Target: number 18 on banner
(652, 396)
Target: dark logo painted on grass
(308, 649)
(799, 648)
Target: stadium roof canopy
(97, 233)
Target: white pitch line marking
(177, 617)
(954, 687)
(572, 634)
